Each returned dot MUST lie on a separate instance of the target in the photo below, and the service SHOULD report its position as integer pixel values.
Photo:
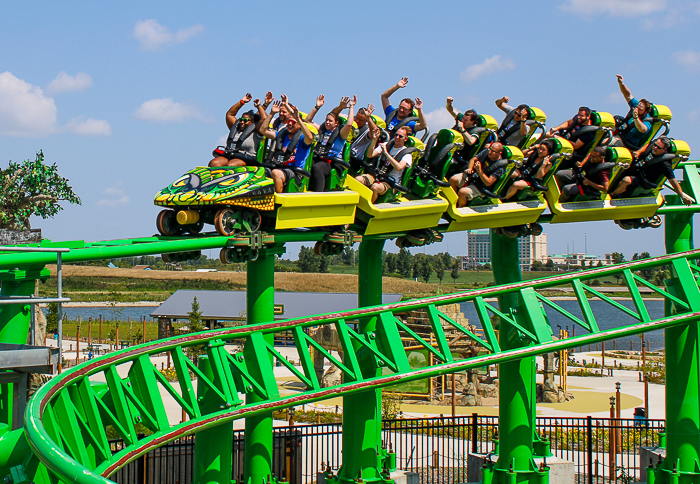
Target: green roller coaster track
(64, 438)
(67, 418)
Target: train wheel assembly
(166, 223)
(225, 222)
(251, 220)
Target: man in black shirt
(651, 166)
(488, 166)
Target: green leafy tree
(426, 269)
(439, 270)
(31, 188)
(537, 266)
(324, 263)
(549, 266)
(391, 261)
(307, 261)
(454, 274)
(617, 257)
(446, 259)
(416, 269)
(404, 263)
(348, 256)
(52, 318)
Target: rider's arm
(470, 139)
(639, 124)
(451, 109)
(502, 104)
(470, 166)
(264, 130)
(602, 188)
(345, 130)
(231, 113)
(624, 89)
(685, 198)
(422, 123)
(386, 94)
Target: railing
(436, 448)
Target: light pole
(611, 438)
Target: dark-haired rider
(403, 115)
(332, 136)
(463, 122)
(537, 165)
(633, 130)
(397, 158)
(243, 140)
(595, 176)
(512, 131)
(291, 147)
(486, 166)
(650, 164)
(571, 127)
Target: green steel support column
(213, 448)
(260, 309)
(362, 412)
(14, 328)
(682, 368)
(516, 399)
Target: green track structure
(66, 420)
(64, 438)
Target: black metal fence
(602, 450)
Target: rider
(396, 157)
(595, 177)
(282, 117)
(243, 141)
(513, 127)
(291, 148)
(572, 126)
(633, 129)
(537, 165)
(463, 122)
(332, 136)
(650, 165)
(485, 165)
(403, 115)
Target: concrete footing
(649, 454)
(560, 471)
(398, 476)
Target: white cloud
(153, 36)
(24, 109)
(489, 66)
(67, 83)
(167, 110)
(615, 97)
(89, 127)
(439, 119)
(115, 197)
(613, 8)
(689, 59)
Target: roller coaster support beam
(362, 412)
(682, 463)
(260, 309)
(14, 323)
(516, 399)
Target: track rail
(66, 420)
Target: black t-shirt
(483, 157)
(653, 172)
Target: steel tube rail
(67, 468)
(32, 300)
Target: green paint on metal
(213, 448)
(260, 307)
(362, 424)
(120, 402)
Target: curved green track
(67, 419)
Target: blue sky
(126, 97)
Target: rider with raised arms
(403, 115)
(243, 140)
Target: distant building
(531, 248)
(577, 258)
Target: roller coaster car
(602, 125)
(679, 151)
(595, 205)
(486, 127)
(490, 211)
(401, 209)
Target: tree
(31, 188)
(348, 256)
(446, 259)
(324, 263)
(454, 274)
(617, 257)
(426, 269)
(404, 263)
(52, 318)
(391, 263)
(537, 266)
(416, 269)
(549, 266)
(308, 261)
(439, 270)
(195, 317)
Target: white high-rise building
(531, 248)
